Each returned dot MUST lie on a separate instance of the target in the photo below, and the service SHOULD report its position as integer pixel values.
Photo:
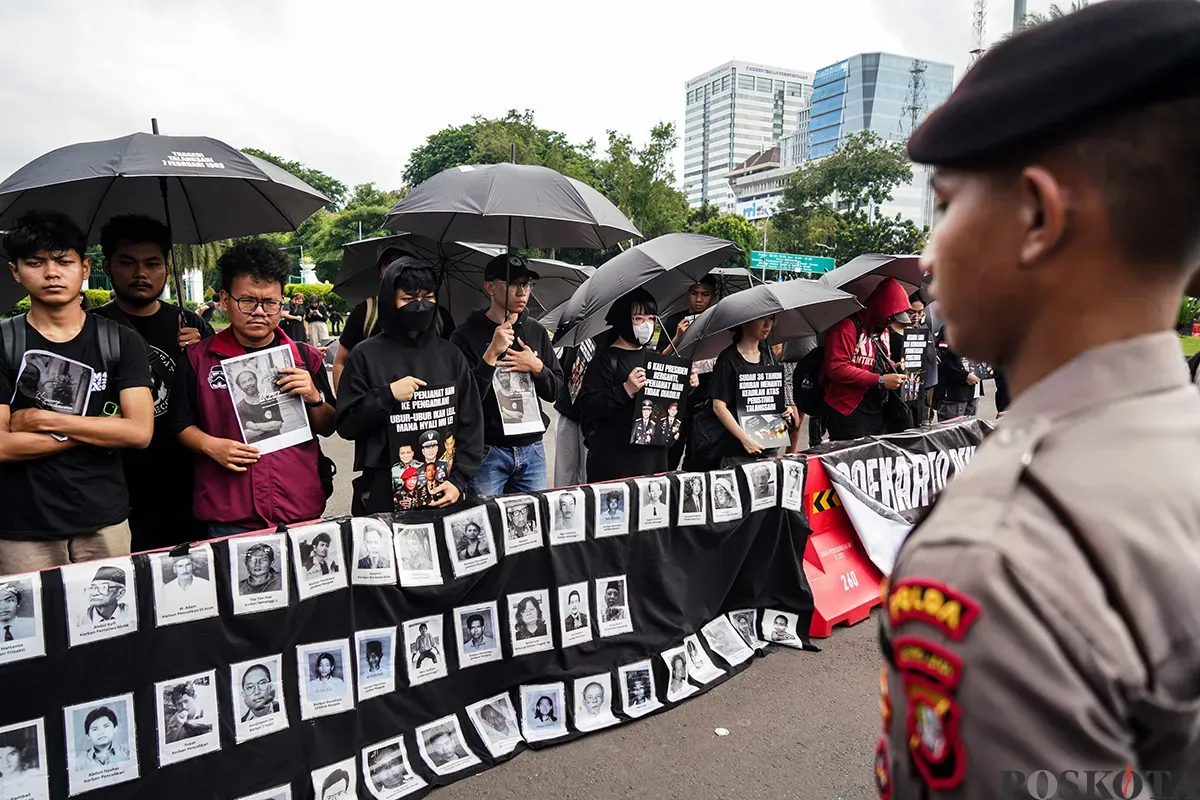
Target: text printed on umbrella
(197, 160)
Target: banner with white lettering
(760, 407)
(658, 403)
(421, 437)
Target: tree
(1056, 11)
(449, 147)
(640, 181)
(332, 188)
(736, 229)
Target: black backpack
(12, 341)
(807, 390)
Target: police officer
(1041, 635)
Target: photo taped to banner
(576, 627)
(317, 556)
(187, 717)
(567, 523)
(726, 499)
(693, 500)
(376, 651)
(23, 759)
(476, 628)
(258, 706)
(416, 547)
(424, 650)
(726, 642)
(527, 618)
(658, 403)
(612, 606)
(324, 678)
(612, 509)
(760, 407)
(52, 382)
(593, 702)
(745, 622)
(544, 713)
(522, 522)
(387, 771)
(469, 541)
(443, 747)
(283, 792)
(760, 477)
(793, 484)
(269, 419)
(337, 781)
(655, 497)
(22, 629)
(700, 666)
(677, 667)
(184, 589)
(496, 723)
(101, 599)
(780, 627)
(258, 572)
(638, 696)
(101, 743)
(373, 558)
(421, 438)
(516, 397)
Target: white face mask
(643, 332)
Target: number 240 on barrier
(849, 580)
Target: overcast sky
(350, 87)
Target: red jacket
(849, 367)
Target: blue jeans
(511, 470)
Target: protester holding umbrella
(701, 295)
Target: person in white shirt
(187, 589)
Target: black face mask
(416, 316)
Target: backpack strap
(372, 316)
(109, 333)
(12, 334)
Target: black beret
(1061, 76)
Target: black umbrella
(10, 290)
(861, 275)
(801, 308)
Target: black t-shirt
(294, 328)
(352, 333)
(80, 490)
(317, 313)
(724, 386)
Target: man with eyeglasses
(503, 340)
(238, 489)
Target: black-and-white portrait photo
(22, 633)
(184, 589)
(23, 771)
(101, 599)
(543, 711)
(187, 717)
(101, 743)
(574, 614)
(693, 500)
(324, 678)
(726, 500)
(496, 723)
(337, 781)
(515, 394)
(270, 420)
(52, 382)
(612, 509)
(258, 572)
(283, 792)
(477, 640)
(725, 641)
(654, 510)
(317, 556)
(424, 650)
(612, 606)
(593, 702)
(376, 651)
(678, 686)
(760, 477)
(781, 627)
(522, 520)
(469, 541)
(257, 688)
(638, 695)
(389, 776)
(700, 666)
(442, 746)
(567, 522)
(745, 623)
(793, 484)
(529, 622)
(374, 563)
(417, 551)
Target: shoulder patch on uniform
(934, 737)
(917, 654)
(934, 603)
(883, 770)
(885, 699)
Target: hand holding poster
(270, 420)
(658, 402)
(520, 411)
(915, 342)
(421, 437)
(760, 407)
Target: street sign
(790, 262)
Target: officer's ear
(1047, 215)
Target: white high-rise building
(732, 112)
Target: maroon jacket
(282, 487)
(849, 368)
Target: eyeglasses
(639, 319)
(270, 305)
(523, 287)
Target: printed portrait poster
(187, 717)
(916, 340)
(443, 747)
(745, 623)
(678, 686)
(258, 572)
(658, 403)
(760, 407)
(522, 521)
(388, 772)
(726, 642)
(53, 383)
(184, 589)
(258, 705)
(529, 622)
(496, 723)
(567, 513)
(283, 792)
(793, 484)
(317, 556)
(373, 560)
(515, 394)
(638, 696)
(101, 599)
(760, 477)
(593, 702)
(579, 367)
(476, 628)
(780, 627)
(417, 550)
(23, 761)
(421, 437)
(22, 632)
(336, 781)
(612, 509)
(469, 541)
(544, 711)
(693, 499)
(269, 419)
(612, 606)
(654, 509)
(424, 650)
(101, 743)
(700, 666)
(726, 500)
(324, 678)
(376, 650)
(576, 621)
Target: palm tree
(1056, 12)
(203, 257)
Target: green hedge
(98, 297)
(322, 290)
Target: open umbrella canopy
(801, 308)
(10, 290)
(861, 275)
(518, 205)
(213, 191)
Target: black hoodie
(365, 400)
(473, 338)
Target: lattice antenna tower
(978, 28)
(914, 100)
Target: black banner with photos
(381, 657)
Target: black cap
(1046, 82)
(508, 267)
(430, 437)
